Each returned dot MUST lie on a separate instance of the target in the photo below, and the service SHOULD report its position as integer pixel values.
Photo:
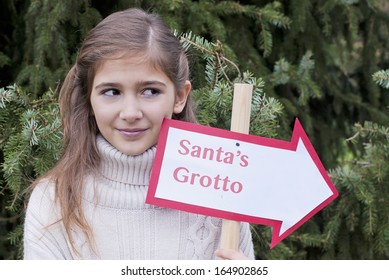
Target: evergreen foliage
(319, 61)
(214, 100)
(361, 213)
(31, 143)
(382, 78)
(346, 51)
(52, 29)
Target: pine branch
(265, 39)
(208, 50)
(300, 77)
(27, 124)
(214, 101)
(362, 206)
(382, 78)
(271, 13)
(4, 59)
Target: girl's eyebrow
(151, 83)
(105, 85)
(139, 84)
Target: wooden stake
(240, 122)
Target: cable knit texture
(124, 227)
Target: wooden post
(240, 122)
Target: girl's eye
(111, 92)
(151, 91)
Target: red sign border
(298, 133)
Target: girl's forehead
(131, 57)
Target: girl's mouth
(135, 132)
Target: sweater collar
(118, 167)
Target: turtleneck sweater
(123, 225)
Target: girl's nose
(131, 109)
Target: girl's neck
(122, 182)
(116, 166)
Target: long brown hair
(130, 31)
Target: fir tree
(31, 143)
(52, 28)
(361, 214)
(315, 59)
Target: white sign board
(239, 177)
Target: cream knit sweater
(124, 227)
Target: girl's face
(130, 99)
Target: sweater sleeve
(43, 238)
(246, 241)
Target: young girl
(131, 72)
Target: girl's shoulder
(44, 188)
(42, 198)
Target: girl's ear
(181, 97)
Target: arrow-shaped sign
(240, 177)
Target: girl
(131, 72)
